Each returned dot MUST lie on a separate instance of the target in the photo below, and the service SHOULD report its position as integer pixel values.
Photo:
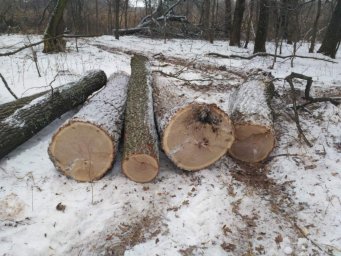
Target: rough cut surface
(253, 119)
(85, 147)
(194, 128)
(140, 150)
(32, 117)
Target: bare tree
(332, 38)
(228, 18)
(55, 28)
(237, 23)
(117, 19)
(262, 27)
(314, 32)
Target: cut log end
(140, 168)
(253, 143)
(82, 151)
(197, 136)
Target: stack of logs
(197, 125)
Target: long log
(195, 130)
(8, 108)
(84, 148)
(32, 117)
(140, 150)
(253, 119)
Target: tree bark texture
(314, 32)
(262, 27)
(38, 113)
(85, 146)
(228, 18)
(54, 29)
(332, 38)
(192, 119)
(140, 149)
(253, 119)
(237, 23)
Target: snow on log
(140, 150)
(27, 120)
(192, 120)
(84, 148)
(8, 108)
(253, 120)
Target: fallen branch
(264, 54)
(42, 41)
(296, 117)
(307, 91)
(7, 87)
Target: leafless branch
(7, 87)
(264, 54)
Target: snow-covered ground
(290, 205)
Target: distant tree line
(240, 21)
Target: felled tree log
(253, 120)
(140, 150)
(38, 113)
(9, 108)
(84, 148)
(195, 132)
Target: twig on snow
(7, 87)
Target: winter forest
(170, 127)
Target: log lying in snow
(32, 117)
(194, 131)
(9, 108)
(84, 148)
(253, 120)
(140, 150)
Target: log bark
(194, 128)
(9, 108)
(253, 120)
(140, 150)
(38, 113)
(84, 148)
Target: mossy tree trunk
(26, 121)
(140, 150)
(55, 28)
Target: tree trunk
(97, 24)
(55, 28)
(85, 146)
(262, 27)
(117, 19)
(195, 132)
(249, 23)
(332, 37)
(314, 32)
(206, 19)
(228, 18)
(9, 108)
(252, 117)
(32, 117)
(109, 17)
(237, 23)
(126, 8)
(140, 150)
